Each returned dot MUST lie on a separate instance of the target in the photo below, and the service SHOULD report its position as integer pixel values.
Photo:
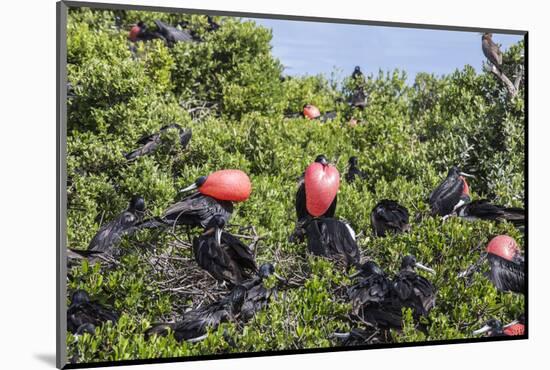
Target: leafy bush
(407, 139)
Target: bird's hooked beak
(189, 188)
(280, 278)
(467, 175)
(425, 268)
(511, 324)
(218, 235)
(484, 329)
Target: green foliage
(408, 137)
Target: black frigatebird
(507, 264)
(196, 322)
(494, 328)
(373, 300)
(215, 196)
(413, 290)
(452, 193)
(83, 315)
(354, 171)
(107, 238)
(150, 143)
(483, 210)
(491, 50)
(388, 216)
(223, 255)
(332, 238)
(213, 25)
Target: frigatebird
(332, 238)
(354, 171)
(150, 143)
(413, 290)
(507, 264)
(213, 25)
(196, 322)
(388, 216)
(223, 255)
(310, 111)
(494, 328)
(452, 193)
(373, 286)
(491, 50)
(109, 235)
(373, 300)
(170, 34)
(214, 197)
(258, 295)
(483, 210)
(83, 315)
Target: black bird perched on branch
(332, 238)
(223, 255)
(372, 298)
(171, 34)
(150, 143)
(507, 264)
(483, 210)
(107, 238)
(491, 51)
(354, 171)
(413, 290)
(452, 193)
(195, 324)
(389, 216)
(494, 328)
(84, 315)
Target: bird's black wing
(89, 313)
(492, 52)
(194, 210)
(110, 234)
(446, 196)
(173, 34)
(239, 252)
(149, 145)
(414, 291)
(332, 238)
(215, 259)
(301, 209)
(507, 275)
(374, 288)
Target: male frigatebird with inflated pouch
(507, 264)
(214, 197)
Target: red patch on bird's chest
(466, 188)
(231, 185)
(134, 32)
(321, 183)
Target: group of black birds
(377, 299)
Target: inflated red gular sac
(322, 181)
(229, 185)
(504, 247)
(134, 33)
(311, 111)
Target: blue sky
(312, 48)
